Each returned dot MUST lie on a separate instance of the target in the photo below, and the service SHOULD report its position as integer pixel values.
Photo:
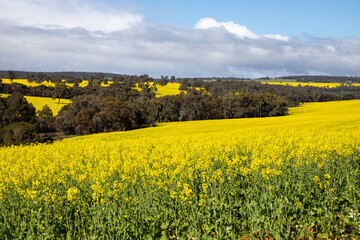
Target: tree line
(294, 95)
(51, 76)
(79, 76)
(93, 114)
(120, 107)
(20, 123)
(323, 79)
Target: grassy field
(294, 176)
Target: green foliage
(60, 90)
(164, 80)
(16, 109)
(18, 133)
(45, 120)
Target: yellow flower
(72, 193)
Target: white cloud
(277, 37)
(239, 30)
(234, 28)
(66, 14)
(206, 23)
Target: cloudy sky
(198, 38)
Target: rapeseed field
(172, 88)
(53, 104)
(169, 89)
(294, 176)
(40, 102)
(322, 85)
(26, 83)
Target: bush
(18, 133)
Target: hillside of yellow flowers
(294, 176)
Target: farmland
(172, 88)
(169, 89)
(40, 102)
(281, 177)
(44, 83)
(53, 104)
(295, 84)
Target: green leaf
(164, 237)
(164, 225)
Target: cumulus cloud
(234, 28)
(122, 42)
(66, 14)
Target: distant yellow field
(169, 89)
(54, 105)
(172, 88)
(40, 102)
(26, 83)
(324, 85)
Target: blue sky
(183, 38)
(320, 18)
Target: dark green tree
(60, 90)
(18, 110)
(172, 78)
(11, 75)
(164, 80)
(45, 121)
(184, 84)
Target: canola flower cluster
(280, 177)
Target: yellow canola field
(172, 88)
(176, 150)
(323, 85)
(275, 167)
(26, 83)
(53, 104)
(169, 89)
(40, 102)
